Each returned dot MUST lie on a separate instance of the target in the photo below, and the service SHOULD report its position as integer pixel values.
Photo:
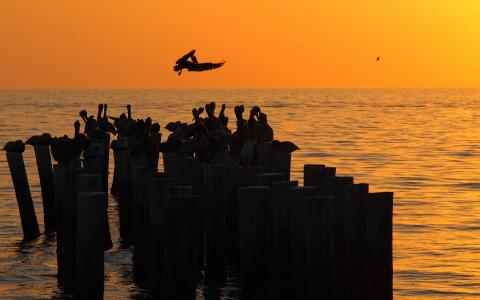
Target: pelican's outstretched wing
(205, 66)
(194, 59)
(186, 56)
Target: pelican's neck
(105, 111)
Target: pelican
(193, 65)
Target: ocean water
(421, 144)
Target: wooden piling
(252, 216)
(379, 238)
(181, 190)
(192, 175)
(317, 175)
(181, 252)
(159, 186)
(232, 167)
(123, 189)
(240, 177)
(22, 192)
(300, 228)
(215, 218)
(45, 172)
(338, 186)
(173, 164)
(279, 162)
(268, 178)
(120, 159)
(320, 248)
(356, 211)
(66, 221)
(139, 185)
(90, 241)
(281, 244)
(93, 164)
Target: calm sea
(421, 144)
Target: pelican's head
(177, 68)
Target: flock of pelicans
(206, 138)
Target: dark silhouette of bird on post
(189, 61)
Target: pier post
(90, 243)
(22, 192)
(120, 159)
(300, 230)
(159, 187)
(181, 252)
(232, 167)
(320, 248)
(215, 231)
(252, 217)
(279, 162)
(317, 175)
(281, 241)
(45, 172)
(139, 183)
(123, 187)
(356, 212)
(173, 164)
(93, 164)
(338, 186)
(66, 217)
(379, 237)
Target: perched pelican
(223, 119)
(105, 124)
(264, 131)
(44, 139)
(16, 146)
(284, 147)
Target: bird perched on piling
(66, 150)
(284, 147)
(44, 139)
(104, 124)
(189, 61)
(14, 146)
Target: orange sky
(267, 44)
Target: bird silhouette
(378, 58)
(14, 146)
(193, 65)
(284, 147)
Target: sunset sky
(267, 44)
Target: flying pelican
(193, 65)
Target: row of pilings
(206, 220)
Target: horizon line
(251, 88)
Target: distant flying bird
(193, 65)
(378, 58)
